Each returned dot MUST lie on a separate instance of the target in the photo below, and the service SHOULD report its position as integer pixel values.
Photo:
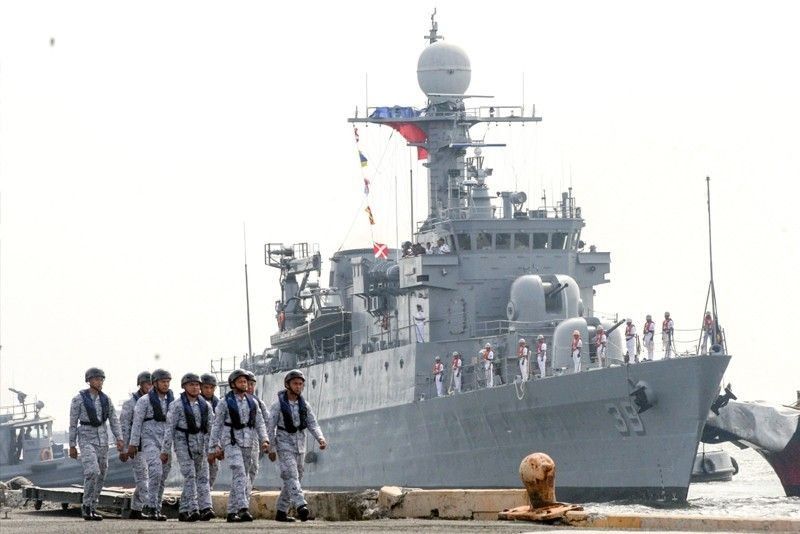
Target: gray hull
(603, 449)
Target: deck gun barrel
(617, 325)
(558, 288)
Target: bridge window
(521, 242)
(464, 242)
(484, 241)
(539, 241)
(559, 241)
(502, 241)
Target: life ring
(735, 465)
(46, 454)
(708, 465)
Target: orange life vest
(575, 342)
(521, 351)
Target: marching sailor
(541, 355)
(648, 335)
(92, 409)
(523, 354)
(208, 384)
(139, 499)
(487, 355)
(456, 367)
(630, 342)
(148, 428)
(577, 344)
(601, 344)
(188, 426)
(438, 376)
(667, 335)
(242, 417)
(708, 331)
(254, 466)
(290, 416)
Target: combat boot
(283, 518)
(304, 513)
(207, 514)
(244, 515)
(194, 516)
(96, 516)
(158, 516)
(183, 516)
(86, 513)
(233, 518)
(136, 514)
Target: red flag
(381, 251)
(413, 134)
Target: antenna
(247, 292)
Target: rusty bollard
(538, 474)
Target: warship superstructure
(509, 272)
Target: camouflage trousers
(213, 469)
(94, 459)
(291, 466)
(156, 474)
(196, 494)
(139, 499)
(252, 471)
(239, 459)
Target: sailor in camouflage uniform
(92, 409)
(139, 499)
(257, 454)
(188, 425)
(208, 384)
(289, 417)
(237, 423)
(149, 426)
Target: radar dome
(443, 68)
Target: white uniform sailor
(541, 355)
(438, 376)
(523, 354)
(419, 324)
(648, 336)
(487, 355)
(668, 335)
(600, 345)
(456, 368)
(577, 344)
(442, 247)
(630, 342)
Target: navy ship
(498, 271)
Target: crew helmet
(94, 372)
(575, 333)
(438, 358)
(294, 373)
(236, 374)
(540, 336)
(250, 376)
(161, 374)
(208, 378)
(599, 328)
(649, 317)
(666, 314)
(522, 341)
(143, 377)
(188, 378)
(488, 346)
(456, 353)
(628, 320)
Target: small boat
(713, 465)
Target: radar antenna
(432, 37)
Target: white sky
(134, 149)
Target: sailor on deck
(237, 422)
(523, 354)
(290, 416)
(139, 499)
(577, 344)
(648, 336)
(188, 426)
(208, 384)
(149, 425)
(708, 332)
(92, 409)
(541, 355)
(255, 465)
(442, 247)
(600, 345)
(667, 335)
(438, 376)
(487, 355)
(630, 342)
(456, 367)
(419, 324)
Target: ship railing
(501, 327)
(19, 412)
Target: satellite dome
(443, 68)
